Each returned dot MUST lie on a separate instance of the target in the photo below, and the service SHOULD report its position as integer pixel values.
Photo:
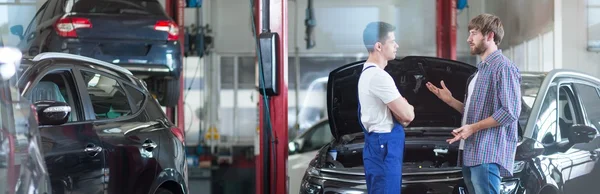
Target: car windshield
(144, 7)
(530, 86)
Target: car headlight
(313, 172)
(518, 167)
(309, 188)
(509, 187)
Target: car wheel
(163, 191)
(169, 92)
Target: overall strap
(358, 98)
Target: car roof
(82, 61)
(57, 55)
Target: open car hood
(410, 74)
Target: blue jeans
(482, 179)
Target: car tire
(163, 191)
(169, 95)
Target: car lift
(277, 15)
(266, 182)
(175, 9)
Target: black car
(135, 34)
(107, 134)
(22, 167)
(556, 153)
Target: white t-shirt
(467, 102)
(376, 89)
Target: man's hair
(376, 32)
(487, 23)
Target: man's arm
(457, 105)
(384, 87)
(509, 94)
(446, 96)
(402, 110)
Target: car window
(136, 95)
(58, 86)
(319, 137)
(34, 23)
(49, 13)
(568, 111)
(590, 99)
(143, 7)
(530, 86)
(545, 125)
(107, 96)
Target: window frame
(571, 98)
(80, 106)
(589, 40)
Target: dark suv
(135, 34)
(106, 134)
(558, 143)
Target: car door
(586, 169)
(72, 151)
(576, 162)
(131, 140)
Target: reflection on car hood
(410, 75)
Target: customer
(382, 112)
(491, 111)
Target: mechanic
(491, 111)
(382, 111)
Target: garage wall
(522, 20)
(564, 45)
(575, 38)
(339, 25)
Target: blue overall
(382, 155)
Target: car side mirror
(18, 31)
(582, 134)
(52, 112)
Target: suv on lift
(135, 34)
(22, 167)
(107, 134)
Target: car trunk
(121, 27)
(117, 27)
(426, 150)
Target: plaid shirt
(496, 93)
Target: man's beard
(478, 49)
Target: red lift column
(175, 9)
(446, 28)
(278, 104)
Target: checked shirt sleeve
(508, 88)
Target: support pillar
(175, 9)
(277, 170)
(446, 28)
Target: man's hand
(461, 133)
(442, 93)
(445, 95)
